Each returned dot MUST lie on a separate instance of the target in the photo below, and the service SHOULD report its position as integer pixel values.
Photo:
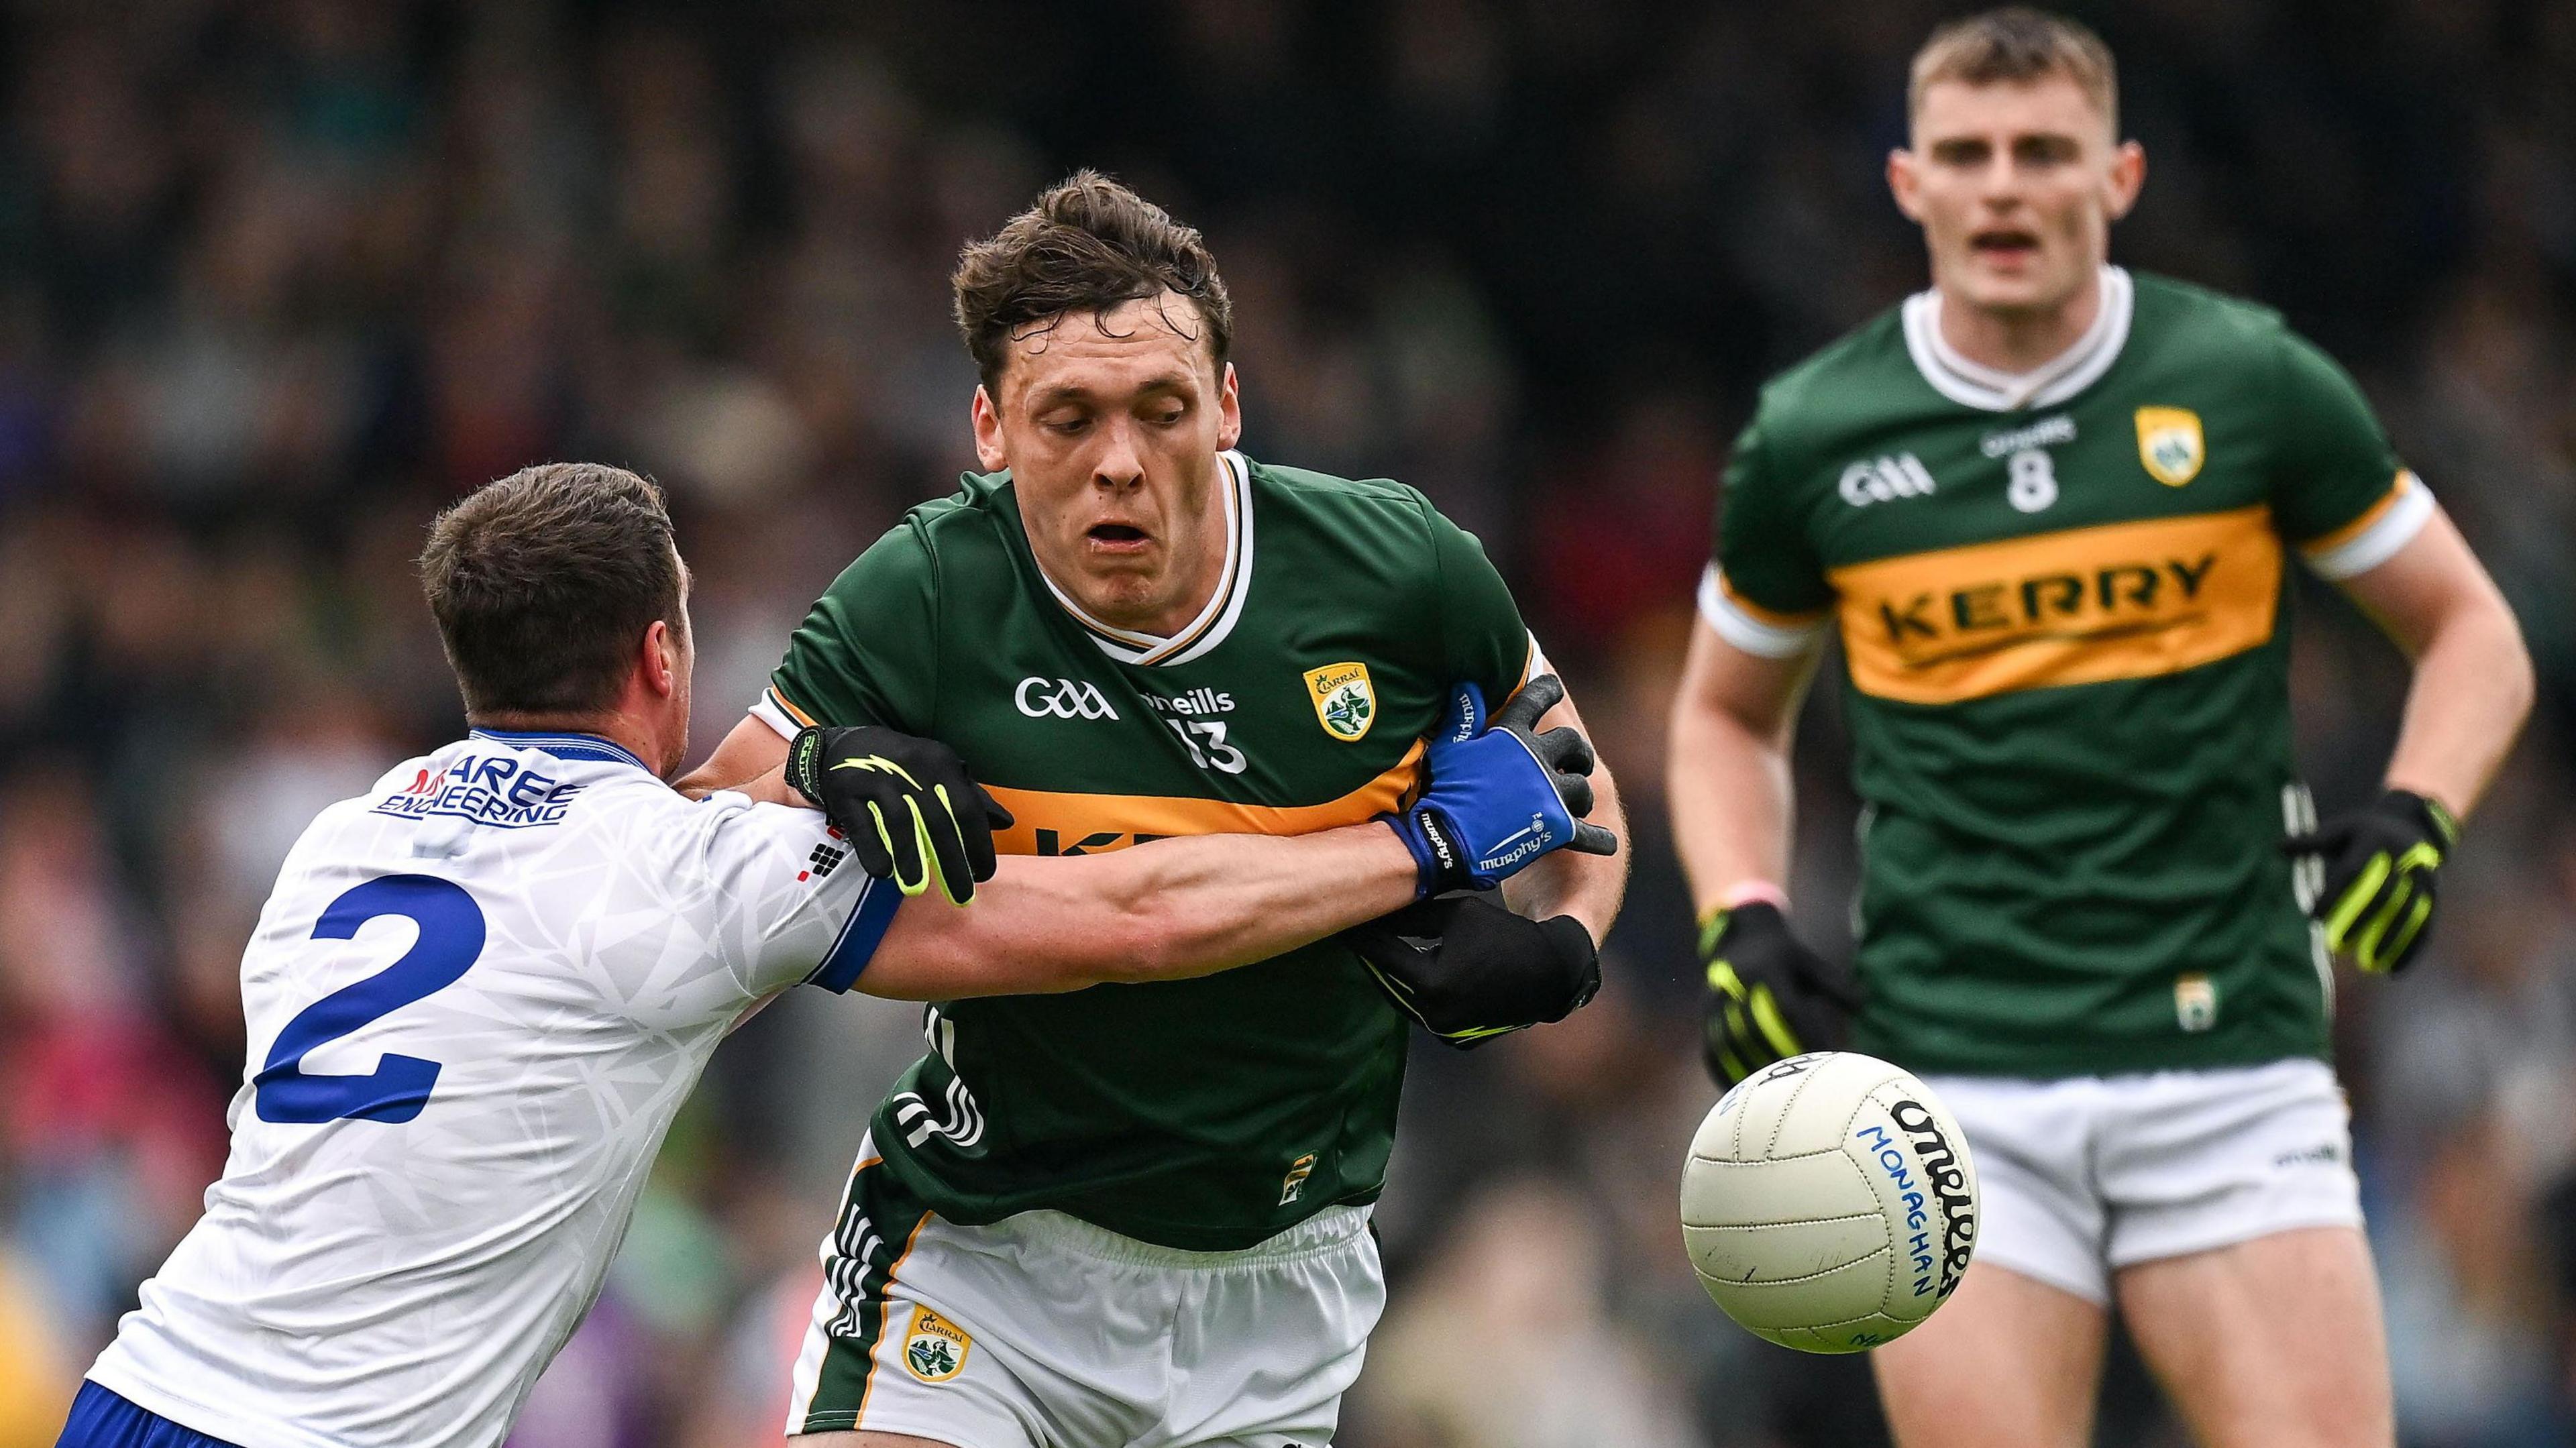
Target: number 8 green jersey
(1203, 1114)
(2062, 604)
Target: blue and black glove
(1470, 970)
(1500, 796)
(2380, 867)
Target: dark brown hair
(2017, 44)
(1086, 246)
(543, 582)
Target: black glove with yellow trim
(898, 797)
(1769, 996)
(2381, 865)
(1470, 970)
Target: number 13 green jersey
(1202, 1114)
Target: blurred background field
(279, 277)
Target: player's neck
(635, 736)
(1202, 573)
(2020, 339)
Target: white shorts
(1043, 1330)
(2084, 1176)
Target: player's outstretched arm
(1167, 910)
(1500, 798)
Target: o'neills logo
(1948, 1179)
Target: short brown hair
(2017, 44)
(543, 582)
(1086, 246)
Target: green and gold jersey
(2062, 604)
(1204, 1114)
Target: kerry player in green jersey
(2048, 507)
(1138, 1214)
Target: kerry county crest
(936, 1350)
(1344, 701)
(2170, 444)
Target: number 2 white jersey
(475, 1001)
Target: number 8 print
(451, 937)
(2033, 475)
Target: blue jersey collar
(587, 748)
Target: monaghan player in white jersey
(481, 991)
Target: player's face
(1110, 424)
(2016, 186)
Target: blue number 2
(451, 936)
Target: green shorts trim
(879, 1222)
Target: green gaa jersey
(2062, 603)
(1202, 1114)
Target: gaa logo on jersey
(936, 1349)
(1344, 700)
(2170, 444)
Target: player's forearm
(1732, 795)
(2472, 691)
(2473, 683)
(1203, 905)
(1587, 887)
(747, 760)
(1167, 910)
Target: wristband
(1747, 891)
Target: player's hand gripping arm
(906, 803)
(1769, 997)
(1469, 970)
(1586, 885)
(1185, 907)
(2471, 692)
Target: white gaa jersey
(475, 1000)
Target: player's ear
(665, 662)
(1229, 410)
(988, 432)
(1904, 183)
(2128, 177)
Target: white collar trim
(1973, 384)
(1215, 621)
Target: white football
(1829, 1203)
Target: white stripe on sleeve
(1759, 637)
(2395, 527)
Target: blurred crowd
(279, 277)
